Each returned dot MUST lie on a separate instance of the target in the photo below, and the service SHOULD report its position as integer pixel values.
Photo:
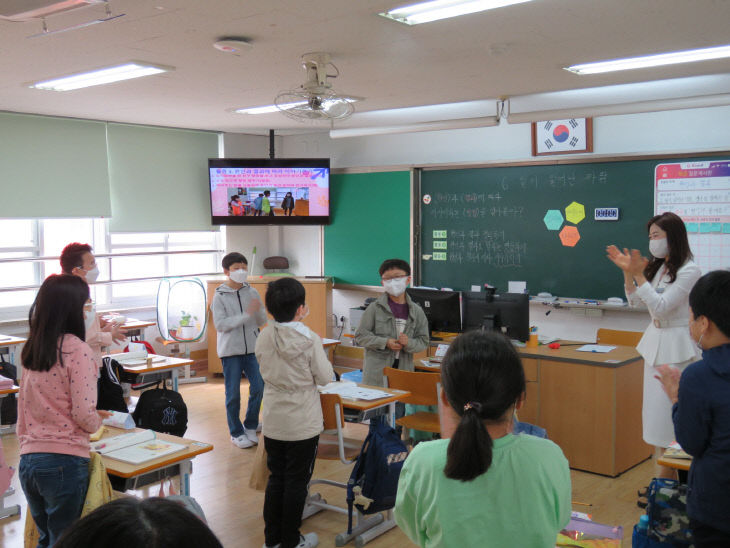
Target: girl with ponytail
(480, 485)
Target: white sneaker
(309, 540)
(251, 435)
(242, 442)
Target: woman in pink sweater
(57, 406)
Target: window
(133, 256)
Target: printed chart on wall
(699, 192)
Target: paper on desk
(601, 348)
(351, 391)
(430, 365)
(120, 420)
(516, 287)
(441, 350)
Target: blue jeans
(233, 367)
(55, 487)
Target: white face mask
(91, 275)
(659, 248)
(238, 276)
(396, 286)
(89, 316)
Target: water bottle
(643, 525)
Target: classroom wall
(691, 130)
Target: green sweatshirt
(524, 498)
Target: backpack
(8, 404)
(162, 410)
(668, 521)
(109, 392)
(374, 480)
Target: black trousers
(291, 464)
(708, 537)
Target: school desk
(168, 365)
(135, 328)
(589, 403)
(7, 341)
(132, 474)
(7, 511)
(319, 301)
(364, 528)
(677, 464)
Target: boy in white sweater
(293, 363)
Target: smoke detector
(232, 45)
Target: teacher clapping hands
(662, 284)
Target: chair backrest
(330, 402)
(276, 263)
(616, 336)
(422, 386)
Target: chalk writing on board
(514, 212)
(487, 247)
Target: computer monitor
(442, 308)
(508, 313)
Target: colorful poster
(699, 192)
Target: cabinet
(319, 300)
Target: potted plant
(187, 329)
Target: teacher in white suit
(663, 285)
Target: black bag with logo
(161, 410)
(110, 395)
(8, 404)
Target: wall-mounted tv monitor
(269, 191)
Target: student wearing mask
(57, 406)
(238, 314)
(77, 260)
(663, 285)
(392, 328)
(266, 208)
(287, 204)
(236, 206)
(257, 205)
(481, 485)
(701, 410)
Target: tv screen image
(269, 191)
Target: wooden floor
(220, 484)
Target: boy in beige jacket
(292, 363)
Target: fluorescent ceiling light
(107, 75)
(439, 125)
(425, 12)
(646, 61)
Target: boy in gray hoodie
(237, 315)
(293, 363)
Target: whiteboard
(699, 192)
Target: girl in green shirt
(484, 486)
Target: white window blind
(52, 167)
(159, 178)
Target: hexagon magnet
(575, 213)
(553, 219)
(569, 236)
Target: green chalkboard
(487, 225)
(370, 222)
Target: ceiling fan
(315, 99)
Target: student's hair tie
(475, 405)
